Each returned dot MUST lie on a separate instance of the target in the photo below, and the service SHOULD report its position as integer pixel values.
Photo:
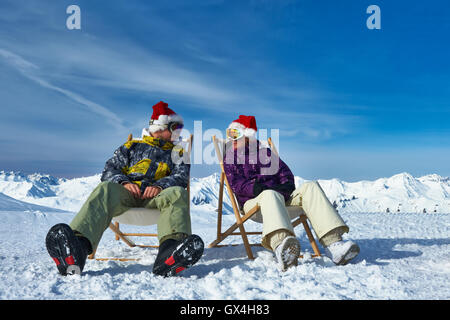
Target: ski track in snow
(403, 256)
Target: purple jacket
(254, 172)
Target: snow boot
(175, 256)
(341, 252)
(287, 253)
(67, 250)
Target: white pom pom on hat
(162, 116)
(245, 123)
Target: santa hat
(245, 123)
(162, 116)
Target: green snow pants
(109, 200)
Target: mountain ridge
(399, 193)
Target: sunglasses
(234, 134)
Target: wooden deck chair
(242, 217)
(140, 217)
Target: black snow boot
(175, 256)
(68, 250)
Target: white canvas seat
(139, 217)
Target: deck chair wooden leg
(222, 236)
(311, 239)
(220, 206)
(248, 249)
(92, 255)
(228, 232)
(121, 236)
(117, 226)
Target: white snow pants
(325, 220)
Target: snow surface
(403, 255)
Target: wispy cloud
(29, 70)
(133, 68)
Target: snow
(11, 204)
(404, 255)
(399, 193)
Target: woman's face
(239, 143)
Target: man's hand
(134, 189)
(151, 192)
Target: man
(269, 183)
(140, 174)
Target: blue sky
(350, 103)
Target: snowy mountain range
(399, 193)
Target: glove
(287, 188)
(258, 188)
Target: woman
(259, 178)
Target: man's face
(163, 134)
(166, 135)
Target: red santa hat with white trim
(245, 123)
(162, 116)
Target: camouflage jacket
(147, 162)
